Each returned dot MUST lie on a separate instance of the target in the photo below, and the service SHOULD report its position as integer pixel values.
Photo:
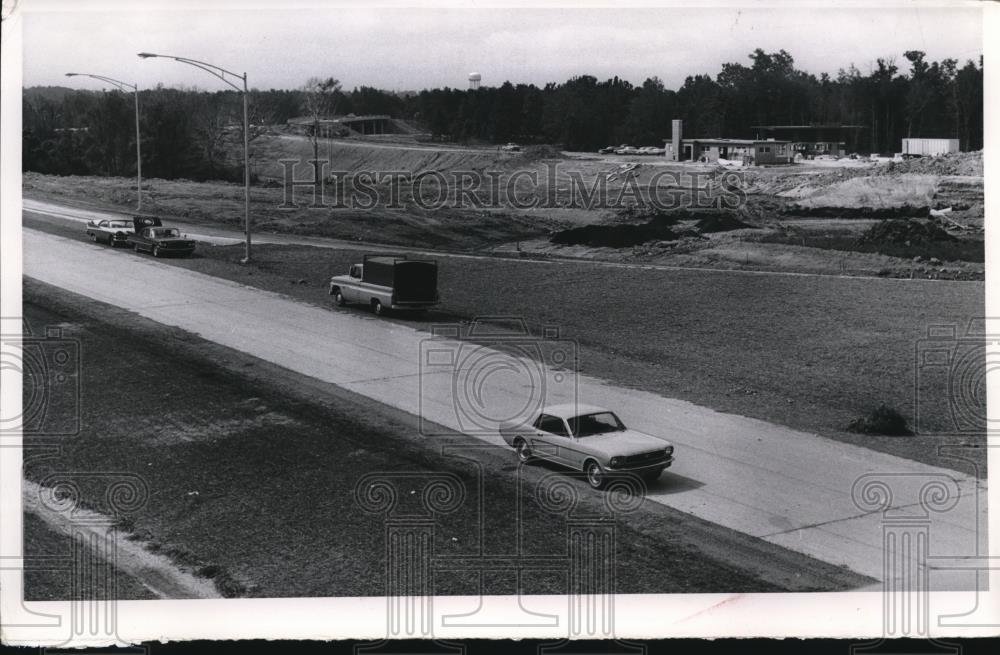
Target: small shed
(929, 147)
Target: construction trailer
(833, 139)
(929, 147)
(748, 151)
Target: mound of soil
(956, 163)
(721, 222)
(904, 232)
(903, 211)
(616, 236)
(657, 228)
(882, 420)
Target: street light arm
(134, 88)
(221, 73)
(217, 71)
(121, 86)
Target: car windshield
(165, 232)
(119, 224)
(599, 423)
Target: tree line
(195, 134)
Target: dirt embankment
(801, 218)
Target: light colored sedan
(113, 231)
(589, 439)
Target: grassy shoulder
(49, 572)
(221, 204)
(812, 353)
(252, 474)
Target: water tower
(474, 80)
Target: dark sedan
(161, 241)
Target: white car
(590, 439)
(113, 231)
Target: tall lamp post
(134, 88)
(221, 73)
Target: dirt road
(789, 488)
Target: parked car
(627, 150)
(607, 151)
(113, 231)
(511, 147)
(589, 439)
(161, 241)
(388, 282)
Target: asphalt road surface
(801, 491)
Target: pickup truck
(385, 282)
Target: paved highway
(790, 488)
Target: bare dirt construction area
(242, 459)
(821, 217)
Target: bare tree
(320, 101)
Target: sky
(399, 48)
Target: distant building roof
(814, 126)
(729, 142)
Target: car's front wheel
(156, 251)
(523, 451)
(595, 475)
(338, 298)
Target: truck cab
(388, 282)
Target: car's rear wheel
(595, 475)
(523, 451)
(377, 307)
(338, 298)
(156, 251)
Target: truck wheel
(595, 475)
(156, 251)
(377, 307)
(93, 237)
(338, 298)
(523, 451)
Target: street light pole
(134, 88)
(221, 73)
(246, 168)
